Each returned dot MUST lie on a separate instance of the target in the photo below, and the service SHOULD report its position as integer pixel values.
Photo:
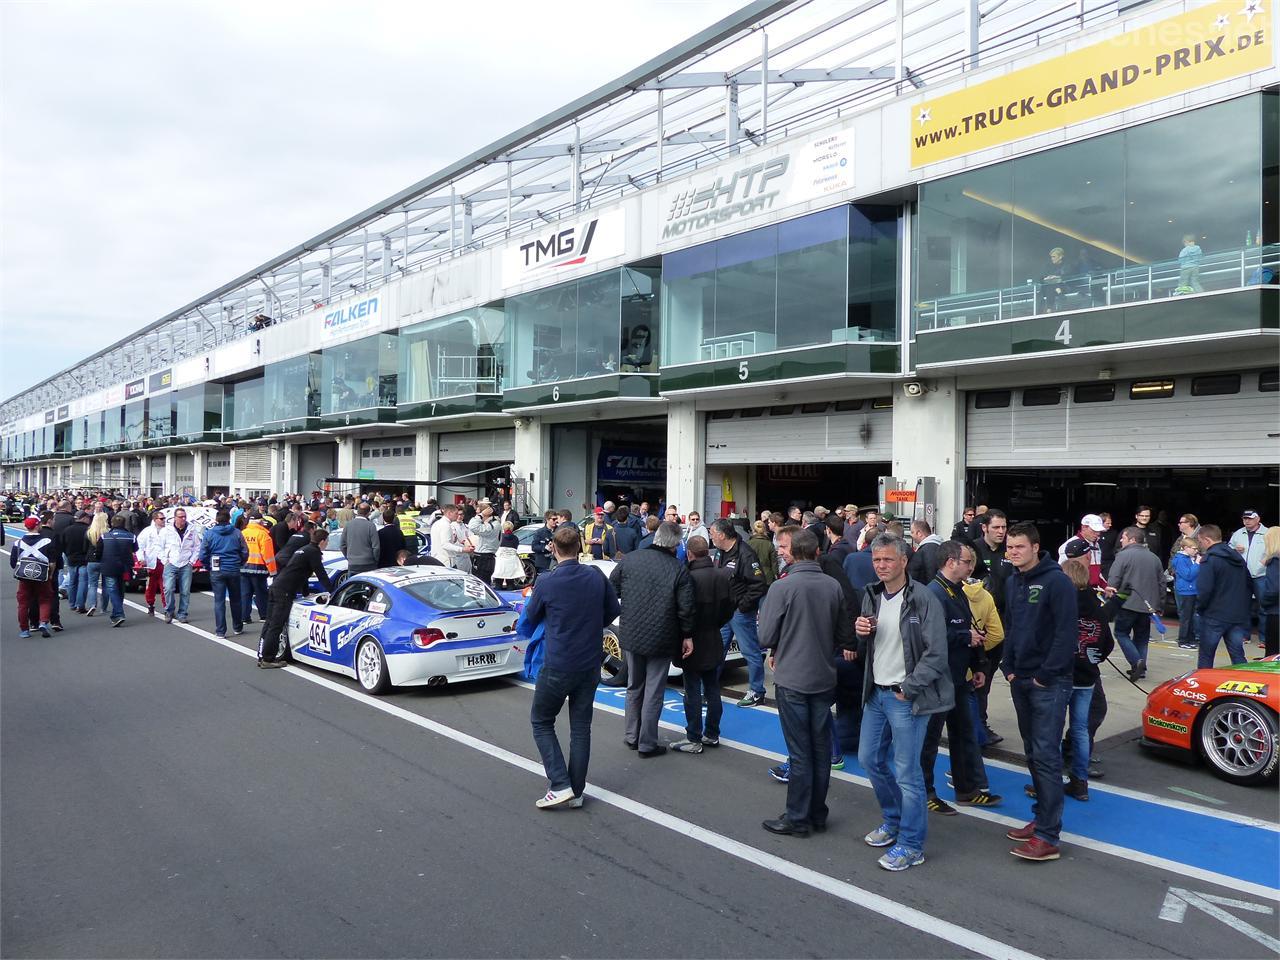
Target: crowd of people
(895, 628)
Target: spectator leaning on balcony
(1189, 258)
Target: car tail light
(426, 636)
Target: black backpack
(32, 565)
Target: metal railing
(1227, 270)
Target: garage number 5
(743, 372)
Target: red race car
(1225, 715)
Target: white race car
(407, 627)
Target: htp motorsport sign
(558, 248)
(1215, 41)
(752, 185)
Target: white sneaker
(554, 798)
(576, 803)
(686, 746)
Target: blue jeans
(1139, 625)
(806, 727)
(77, 586)
(702, 687)
(1041, 714)
(743, 627)
(848, 722)
(1078, 731)
(177, 590)
(892, 734)
(113, 588)
(253, 587)
(92, 585)
(226, 589)
(549, 694)
(1259, 586)
(1188, 619)
(1212, 631)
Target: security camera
(519, 423)
(913, 388)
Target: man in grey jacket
(803, 620)
(360, 543)
(902, 636)
(1137, 575)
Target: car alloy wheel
(1238, 739)
(371, 666)
(613, 664)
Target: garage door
(478, 446)
(847, 431)
(390, 458)
(315, 462)
(1204, 420)
(219, 468)
(253, 467)
(184, 472)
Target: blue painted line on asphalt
(1239, 850)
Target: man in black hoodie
(1041, 634)
(702, 656)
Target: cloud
(151, 152)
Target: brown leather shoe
(1036, 849)
(1022, 833)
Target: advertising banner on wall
(350, 317)
(1215, 41)
(135, 388)
(750, 186)
(543, 254)
(631, 466)
(159, 381)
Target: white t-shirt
(888, 665)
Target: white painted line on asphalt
(841, 890)
(1176, 901)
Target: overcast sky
(151, 151)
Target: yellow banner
(1214, 42)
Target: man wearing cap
(1247, 541)
(598, 538)
(34, 546)
(1090, 535)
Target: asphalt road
(160, 796)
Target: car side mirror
(322, 599)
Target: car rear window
(451, 594)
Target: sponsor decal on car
(1249, 688)
(1190, 694)
(1167, 725)
(320, 617)
(1191, 682)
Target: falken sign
(754, 185)
(631, 466)
(560, 247)
(353, 317)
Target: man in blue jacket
(1224, 594)
(118, 547)
(222, 553)
(1041, 633)
(574, 603)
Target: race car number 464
(482, 660)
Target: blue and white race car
(407, 627)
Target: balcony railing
(1226, 270)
